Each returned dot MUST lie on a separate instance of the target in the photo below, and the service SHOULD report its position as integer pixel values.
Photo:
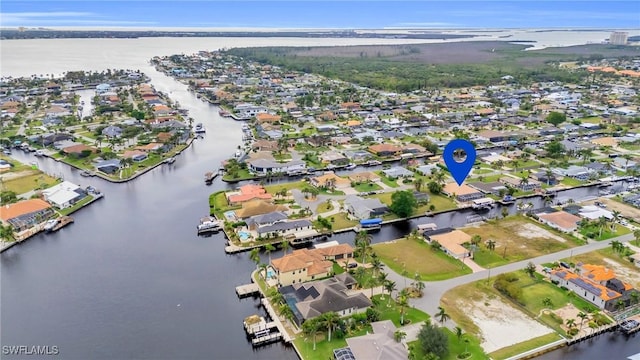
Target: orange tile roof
(384, 148)
(453, 241)
(265, 117)
(597, 273)
(606, 294)
(249, 192)
(562, 219)
(76, 149)
(311, 259)
(24, 207)
(335, 250)
(453, 188)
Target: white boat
(351, 166)
(50, 224)
(209, 224)
(170, 160)
(199, 129)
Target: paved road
(434, 290)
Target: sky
(453, 14)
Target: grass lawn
(482, 171)
(442, 202)
(516, 349)
(385, 180)
(418, 257)
(517, 238)
(365, 187)
(592, 231)
(456, 347)
(242, 174)
(571, 181)
(324, 207)
(76, 206)
(340, 221)
(389, 310)
(272, 189)
(33, 181)
(591, 120)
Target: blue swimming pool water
(243, 235)
(270, 274)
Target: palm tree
(582, 317)
(363, 240)
(268, 249)
(254, 255)
(491, 245)
(390, 287)
(398, 335)
(329, 320)
(310, 328)
(475, 239)
(620, 305)
(442, 315)
(636, 235)
(616, 246)
(285, 247)
(602, 222)
(403, 302)
(376, 265)
(571, 323)
(458, 332)
(263, 267)
(547, 302)
(418, 183)
(634, 297)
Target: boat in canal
(209, 177)
(199, 129)
(209, 224)
(57, 224)
(170, 160)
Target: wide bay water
(130, 278)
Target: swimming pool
(243, 235)
(271, 274)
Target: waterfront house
(26, 213)
(135, 155)
(385, 150)
(78, 149)
(380, 344)
(560, 220)
(334, 158)
(64, 195)
(462, 193)
(301, 266)
(397, 172)
(596, 284)
(264, 166)
(543, 177)
(257, 207)
(365, 176)
(247, 193)
(364, 208)
(493, 187)
(108, 166)
(255, 222)
(357, 155)
(451, 241)
(329, 180)
(287, 228)
(528, 185)
(312, 299)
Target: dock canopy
(370, 222)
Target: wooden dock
(247, 290)
(276, 320)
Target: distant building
(618, 38)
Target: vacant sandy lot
(531, 231)
(18, 174)
(625, 210)
(624, 273)
(502, 325)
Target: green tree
(556, 118)
(555, 149)
(390, 287)
(442, 315)
(398, 335)
(311, 328)
(268, 249)
(329, 321)
(434, 187)
(433, 340)
(636, 235)
(582, 317)
(530, 269)
(363, 243)
(254, 255)
(403, 203)
(403, 301)
(491, 245)
(547, 302)
(418, 183)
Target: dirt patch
(571, 312)
(502, 325)
(624, 273)
(531, 231)
(17, 174)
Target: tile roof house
(596, 284)
(397, 171)
(308, 264)
(135, 155)
(109, 166)
(379, 345)
(385, 150)
(25, 214)
(112, 131)
(560, 220)
(257, 207)
(451, 242)
(246, 193)
(462, 193)
(330, 179)
(78, 149)
(364, 176)
(312, 299)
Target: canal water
(130, 278)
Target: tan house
(451, 243)
(385, 149)
(308, 264)
(560, 220)
(462, 193)
(364, 176)
(330, 180)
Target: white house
(264, 166)
(64, 194)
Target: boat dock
(247, 290)
(276, 320)
(260, 331)
(64, 221)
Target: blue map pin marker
(459, 170)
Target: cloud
(434, 24)
(61, 18)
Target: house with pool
(309, 264)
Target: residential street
(434, 290)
